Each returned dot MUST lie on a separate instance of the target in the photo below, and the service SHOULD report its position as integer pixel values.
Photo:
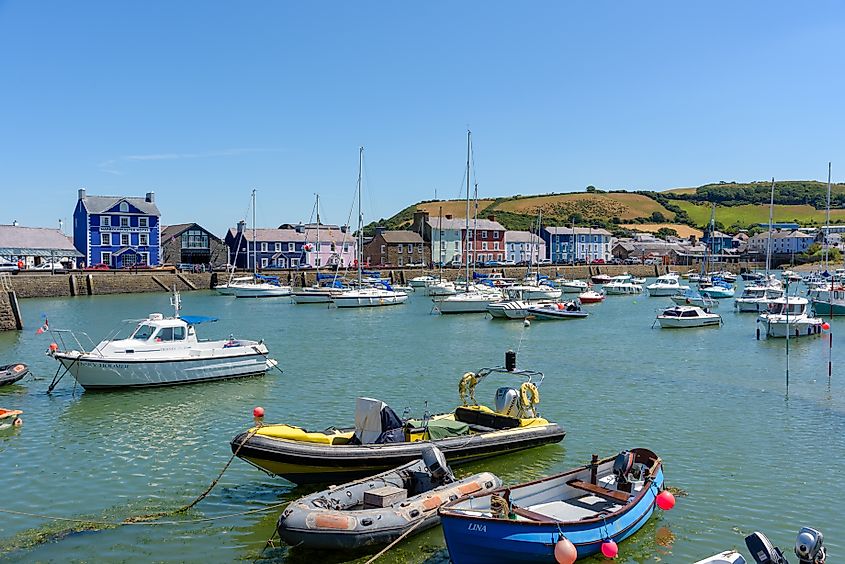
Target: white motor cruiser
(369, 297)
(666, 285)
(161, 351)
(682, 317)
(790, 315)
(473, 301)
(756, 298)
(571, 286)
(622, 285)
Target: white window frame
(143, 222)
(278, 247)
(106, 255)
(105, 239)
(484, 234)
(495, 234)
(124, 219)
(484, 245)
(124, 207)
(264, 248)
(125, 237)
(399, 261)
(291, 249)
(143, 239)
(264, 262)
(105, 221)
(294, 262)
(496, 246)
(399, 248)
(145, 258)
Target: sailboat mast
(254, 242)
(826, 230)
(771, 221)
(469, 141)
(317, 264)
(440, 242)
(360, 218)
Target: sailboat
(828, 298)
(260, 286)
(318, 293)
(366, 296)
(472, 299)
(757, 296)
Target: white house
(524, 247)
(783, 242)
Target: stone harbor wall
(9, 315)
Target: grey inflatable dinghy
(379, 509)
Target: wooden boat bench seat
(613, 495)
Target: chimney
(380, 230)
(448, 216)
(491, 217)
(344, 228)
(300, 228)
(150, 197)
(81, 193)
(15, 223)
(241, 226)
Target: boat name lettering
(477, 527)
(105, 364)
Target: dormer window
(124, 207)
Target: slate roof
(34, 238)
(461, 223)
(99, 204)
(402, 237)
(578, 231)
(171, 231)
(522, 237)
(264, 235)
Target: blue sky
(203, 101)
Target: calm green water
(710, 401)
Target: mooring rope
(394, 543)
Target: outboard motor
(507, 402)
(435, 461)
(809, 546)
(622, 467)
(762, 550)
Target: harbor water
(712, 402)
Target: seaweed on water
(53, 531)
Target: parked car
(98, 266)
(598, 261)
(50, 267)
(652, 261)
(633, 260)
(8, 266)
(544, 261)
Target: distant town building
(485, 240)
(566, 244)
(717, 241)
(524, 247)
(783, 242)
(119, 231)
(782, 225)
(290, 246)
(35, 246)
(190, 243)
(396, 248)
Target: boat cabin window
(689, 313)
(171, 334)
(143, 332)
(671, 313)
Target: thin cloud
(111, 166)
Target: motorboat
(830, 302)
(369, 297)
(682, 317)
(380, 440)
(605, 500)
(533, 292)
(666, 285)
(316, 294)
(791, 276)
(790, 315)
(509, 309)
(442, 288)
(380, 509)
(600, 278)
(12, 373)
(756, 297)
(473, 301)
(725, 275)
(694, 298)
(637, 280)
(622, 285)
(160, 351)
(809, 549)
(718, 289)
(751, 276)
(557, 310)
(10, 418)
(591, 297)
(424, 281)
(261, 287)
(571, 286)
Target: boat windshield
(143, 332)
(781, 308)
(755, 293)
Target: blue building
(581, 244)
(117, 231)
(717, 242)
(269, 248)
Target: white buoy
(526, 323)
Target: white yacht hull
(465, 305)
(802, 327)
(665, 291)
(622, 289)
(260, 291)
(354, 299)
(684, 323)
(94, 372)
(436, 290)
(314, 296)
(751, 305)
(568, 288)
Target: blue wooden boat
(608, 499)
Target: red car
(598, 261)
(99, 266)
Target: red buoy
(826, 326)
(565, 551)
(609, 549)
(665, 500)
(54, 347)
(258, 412)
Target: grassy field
(455, 208)
(600, 206)
(749, 214)
(683, 230)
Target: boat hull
(744, 305)
(344, 301)
(315, 463)
(96, 373)
(483, 539)
(260, 292)
(314, 296)
(686, 323)
(464, 306)
(827, 308)
(810, 327)
(12, 373)
(717, 293)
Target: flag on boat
(43, 328)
